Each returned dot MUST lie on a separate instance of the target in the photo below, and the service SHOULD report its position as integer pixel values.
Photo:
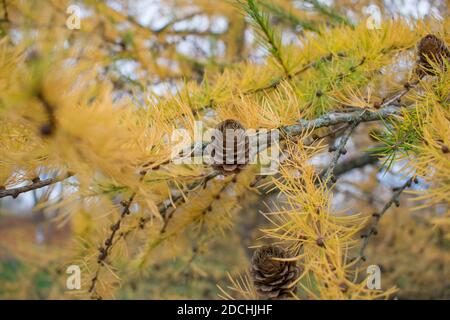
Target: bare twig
(406, 88)
(372, 230)
(5, 11)
(357, 162)
(37, 184)
(334, 118)
(338, 151)
(106, 247)
(48, 128)
(330, 12)
(174, 21)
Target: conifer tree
(99, 129)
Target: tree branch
(386, 111)
(335, 118)
(277, 82)
(5, 11)
(395, 199)
(175, 20)
(339, 150)
(15, 192)
(357, 162)
(330, 12)
(388, 108)
(106, 247)
(307, 66)
(288, 15)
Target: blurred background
(153, 47)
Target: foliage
(72, 111)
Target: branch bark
(395, 199)
(15, 192)
(303, 125)
(340, 150)
(106, 247)
(335, 118)
(357, 162)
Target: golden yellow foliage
(100, 138)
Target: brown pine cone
(431, 48)
(230, 147)
(273, 279)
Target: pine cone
(273, 278)
(431, 48)
(230, 147)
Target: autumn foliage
(87, 118)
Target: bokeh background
(155, 46)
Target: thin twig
(341, 168)
(174, 21)
(37, 184)
(307, 66)
(406, 88)
(168, 217)
(196, 246)
(171, 202)
(106, 247)
(334, 118)
(331, 12)
(367, 158)
(338, 151)
(5, 11)
(372, 230)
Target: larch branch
(357, 162)
(15, 192)
(5, 11)
(107, 246)
(338, 151)
(372, 230)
